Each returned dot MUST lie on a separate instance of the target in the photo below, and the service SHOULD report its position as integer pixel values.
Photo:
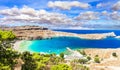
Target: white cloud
(52, 19)
(104, 5)
(28, 11)
(104, 13)
(99, 5)
(111, 15)
(115, 15)
(67, 5)
(30, 15)
(116, 6)
(10, 12)
(89, 15)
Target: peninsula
(36, 32)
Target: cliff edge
(36, 32)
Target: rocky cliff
(35, 32)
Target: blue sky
(69, 14)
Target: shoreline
(34, 33)
(17, 46)
(20, 46)
(105, 55)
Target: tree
(34, 61)
(61, 67)
(54, 59)
(82, 61)
(7, 55)
(88, 57)
(80, 67)
(82, 52)
(62, 55)
(3, 67)
(7, 35)
(114, 54)
(29, 62)
(97, 59)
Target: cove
(59, 44)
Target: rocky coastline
(36, 32)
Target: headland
(36, 32)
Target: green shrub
(82, 61)
(7, 35)
(3, 67)
(114, 54)
(82, 52)
(97, 59)
(61, 67)
(88, 57)
(29, 62)
(84, 67)
(96, 56)
(62, 55)
(80, 67)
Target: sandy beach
(108, 62)
(17, 45)
(22, 45)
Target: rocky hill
(36, 32)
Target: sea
(59, 44)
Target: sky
(61, 14)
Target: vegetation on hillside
(32, 61)
(7, 55)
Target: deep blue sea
(59, 44)
(117, 32)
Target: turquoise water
(54, 45)
(59, 44)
